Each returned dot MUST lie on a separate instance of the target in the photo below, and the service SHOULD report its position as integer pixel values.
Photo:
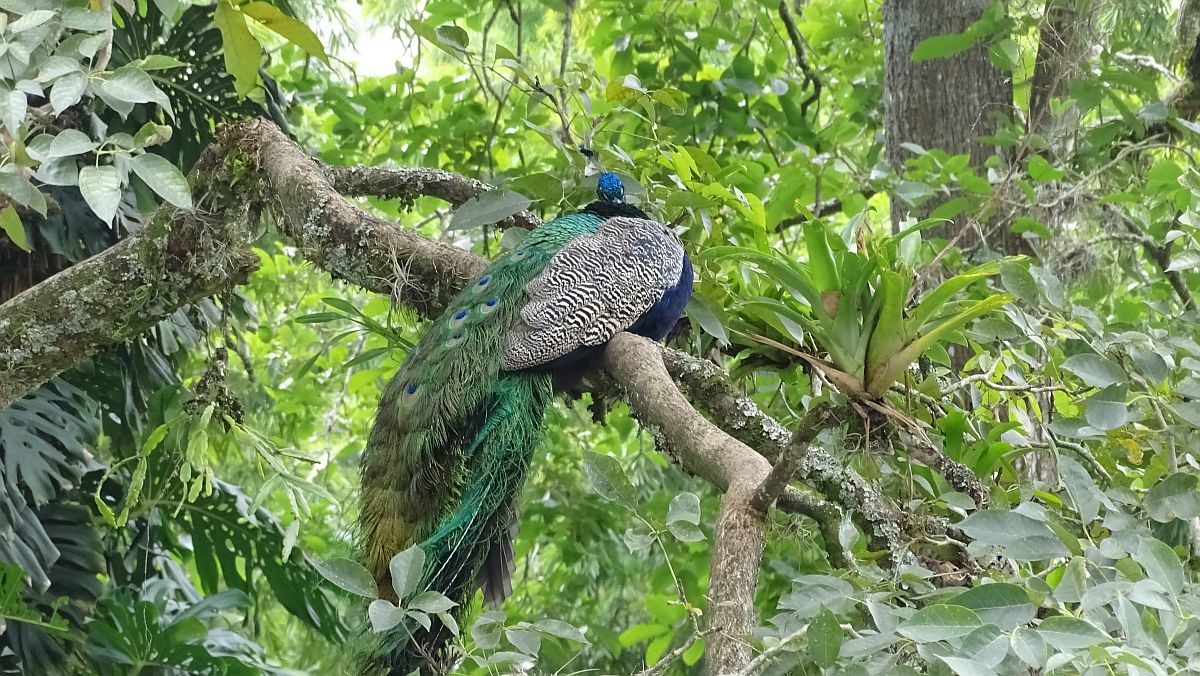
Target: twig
(665, 662)
(762, 658)
(568, 19)
(105, 53)
(810, 78)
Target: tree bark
(945, 103)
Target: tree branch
(710, 386)
(810, 78)
(407, 184)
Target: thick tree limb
(178, 258)
(709, 385)
(407, 184)
(729, 464)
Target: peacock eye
(456, 338)
(411, 389)
(519, 254)
(489, 305)
(482, 283)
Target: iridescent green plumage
(454, 434)
(458, 424)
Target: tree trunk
(945, 103)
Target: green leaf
(1017, 280)
(608, 479)
(159, 62)
(30, 20)
(67, 91)
(349, 575)
(684, 507)
(686, 532)
(1095, 370)
(693, 654)
(1041, 170)
(1070, 633)
(637, 541)
(164, 178)
(825, 636)
(242, 51)
(1187, 260)
(1161, 564)
(70, 142)
(1002, 604)
(1083, 493)
(12, 226)
(1175, 497)
(881, 379)
(453, 36)
(1106, 410)
(101, 188)
(641, 632)
(823, 269)
(528, 642)
(1021, 537)
(939, 623)
(21, 190)
(561, 630)
(1029, 645)
(487, 208)
(12, 110)
(431, 602)
(932, 303)
(699, 309)
(963, 666)
(407, 569)
(83, 19)
(133, 85)
(940, 46)
(286, 27)
(384, 615)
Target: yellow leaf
(12, 226)
(242, 51)
(286, 27)
(1134, 449)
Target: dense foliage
(185, 502)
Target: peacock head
(610, 189)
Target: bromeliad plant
(853, 298)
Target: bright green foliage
(855, 303)
(1075, 405)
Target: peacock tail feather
(451, 425)
(458, 424)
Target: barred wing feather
(593, 288)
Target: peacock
(458, 424)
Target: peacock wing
(596, 286)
